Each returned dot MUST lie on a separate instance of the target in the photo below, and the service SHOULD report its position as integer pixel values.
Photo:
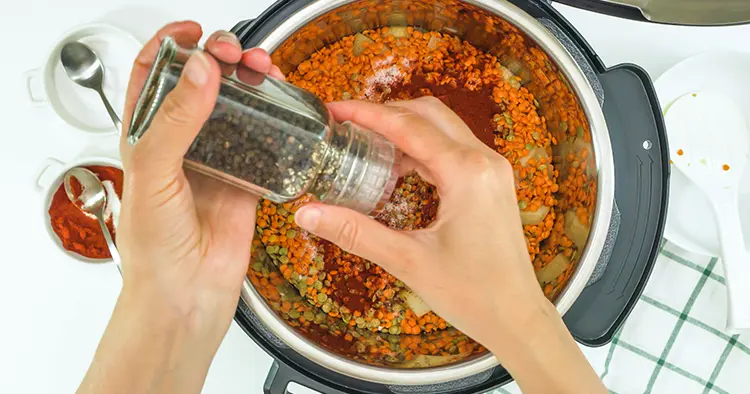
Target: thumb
(159, 153)
(358, 234)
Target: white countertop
(54, 308)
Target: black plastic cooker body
(639, 143)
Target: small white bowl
(48, 181)
(78, 106)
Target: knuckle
(400, 113)
(504, 168)
(411, 257)
(430, 101)
(477, 161)
(402, 120)
(348, 235)
(215, 35)
(175, 111)
(484, 166)
(403, 257)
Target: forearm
(147, 349)
(544, 358)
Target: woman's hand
(184, 239)
(471, 264)
(473, 256)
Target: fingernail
(197, 68)
(308, 217)
(228, 37)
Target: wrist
(155, 303)
(146, 307)
(148, 347)
(534, 352)
(198, 320)
(150, 325)
(535, 321)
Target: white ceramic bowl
(50, 178)
(78, 106)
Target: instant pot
(630, 146)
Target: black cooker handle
(242, 27)
(639, 144)
(251, 33)
(641, 157)
(280, 375)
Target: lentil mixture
(353, 306)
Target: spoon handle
(736, 261)
(110, 243)
(111, 111)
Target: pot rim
(600, 224)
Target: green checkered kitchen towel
(673, 341)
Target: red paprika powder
(475, 107)
(78, 232)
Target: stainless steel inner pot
(483, 23)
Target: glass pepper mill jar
(274, 139)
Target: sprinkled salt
(395, 211)
(386, 74)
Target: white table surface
(55, 309)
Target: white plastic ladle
(710, 144)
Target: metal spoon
(84, 68)
(93, 199)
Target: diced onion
(575, 230)
(398, 31)
(417, 305)
(537, 153)
(360, 41)
(553, 269)
(530, 218)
